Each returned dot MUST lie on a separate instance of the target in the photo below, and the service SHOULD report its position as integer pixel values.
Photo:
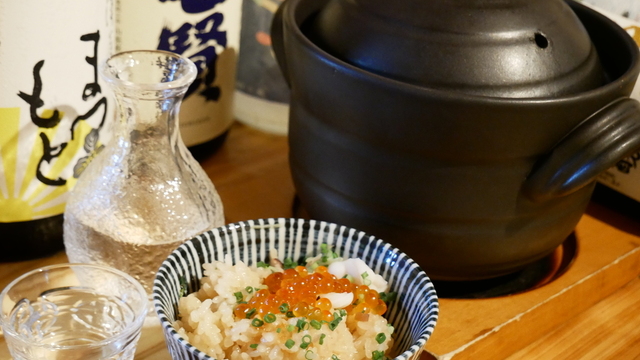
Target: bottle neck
(147, 124)
(149, 87)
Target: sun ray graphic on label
(22, 196)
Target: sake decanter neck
(148, 101)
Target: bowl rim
(412, 352)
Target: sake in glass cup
(73, 311)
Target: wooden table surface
(251, 174)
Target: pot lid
(499, 48)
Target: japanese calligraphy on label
(207, 32)
(52, 105)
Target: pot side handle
(598, 143)
(277, 40)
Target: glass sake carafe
(143, 194)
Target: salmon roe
(295, 292)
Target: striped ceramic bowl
(413, 314)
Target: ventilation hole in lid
(541, 40)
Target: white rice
(208, 323)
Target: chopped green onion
(250, 313)
(269, 318)
(342, 312)
(290, 328)
(306, 341)
(248, 289)
(184, 286)
(327, 255)
(321, 341)
(315, 324)
(289, 264)
(289, 343)
(284, 308)
(238, 296)
(257, 322)
(262, 264)
(301, 324)
(309, 355)
(365, 278)
(290, 314)
(324, 249)
(334, 357)
(388, 297)
(381, 337)
(334, 324)
(377, 355)
(253, 346)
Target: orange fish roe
(296, 293)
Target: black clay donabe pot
(473, 175)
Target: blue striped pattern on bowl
(413, 314)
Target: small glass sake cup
(73, 311)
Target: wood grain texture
(251, 173)
(608, 330)
(591, 312)
(607, 259)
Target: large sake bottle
(208, 33)
(52, 114)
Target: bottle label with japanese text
(262, 94)
(205, 31)
(53, 108)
